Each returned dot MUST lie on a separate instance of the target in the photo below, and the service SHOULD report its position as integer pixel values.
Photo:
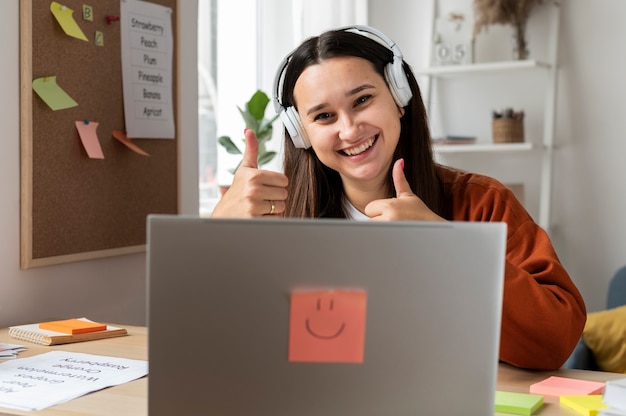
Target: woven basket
(508, 130)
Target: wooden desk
(130, 399)
(516, 380)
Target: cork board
(74, 207)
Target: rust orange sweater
(543, 313)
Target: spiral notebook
(32, 333)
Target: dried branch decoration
(505, 12)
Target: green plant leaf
(264, 135)
(229, 145)
(257, 104)
(251, 122)
(265, 157)
(268, 122)
(254, 118)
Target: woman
(357, 146)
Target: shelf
(481, 68)
(485, 148)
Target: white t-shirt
(353, 213)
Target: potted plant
(254, 117)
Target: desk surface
(125, 399)
(131, 398)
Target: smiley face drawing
(325, 322)
(327, 326)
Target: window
(207, 101)
(240, 44)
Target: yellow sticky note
(327, 326)
(587, 405)
(53, 95)
(89, 138)
(64, 16)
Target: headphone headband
(394, 75)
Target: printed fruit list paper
(147, 51)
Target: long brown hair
(316, 190)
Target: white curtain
(312, 17)
(253, 37)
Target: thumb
(399, 179)
(251, 152)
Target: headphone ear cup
(398, 82)
(293, 124)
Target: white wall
(111, 289)
(589, 195)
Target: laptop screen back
(411, 327)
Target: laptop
(284, 317)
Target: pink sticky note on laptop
(561, 386)
(327, 326)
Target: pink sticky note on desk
(561, 386)
(327, 326)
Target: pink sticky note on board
(327, 326)
(121, 137)
(562, 386)
(89, 138)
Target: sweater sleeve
(543, 313)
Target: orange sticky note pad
(561, 386)
(327, 326)
(72, 326)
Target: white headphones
(394, 75)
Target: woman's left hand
(406, 206)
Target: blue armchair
(583, 357)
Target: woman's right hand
(254, 192)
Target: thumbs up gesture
(406, 205)
(254, 192)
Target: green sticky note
(518, 403)
(587, 405)
(53, 95)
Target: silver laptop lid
(420, 305)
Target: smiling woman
(357, 146)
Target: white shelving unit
(479, 148)
(543, 148)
